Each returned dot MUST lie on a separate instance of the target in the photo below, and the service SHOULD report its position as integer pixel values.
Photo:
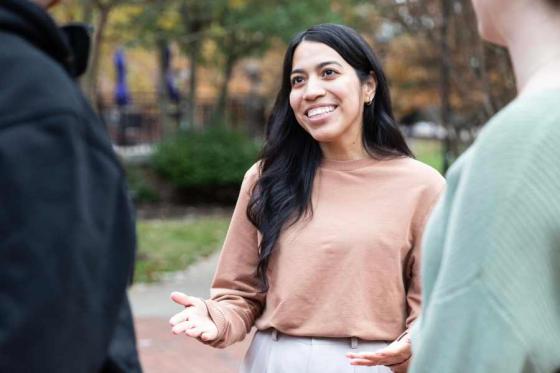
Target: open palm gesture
(396, 356)
(194, 320)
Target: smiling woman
(322, 253)
(327, 98)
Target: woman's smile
(320, 114)
(327, 97)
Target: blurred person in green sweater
(491, 259)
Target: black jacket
(67, 237)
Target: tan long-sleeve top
(349, 270)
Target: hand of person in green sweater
(194, 321)
(396, 356)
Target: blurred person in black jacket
(67, 236)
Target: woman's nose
(313, 89)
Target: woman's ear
(369, 87)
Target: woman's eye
(329, 73)
(296, 80)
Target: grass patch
(172, 245)
(429, 151)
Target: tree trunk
(445, 83)
(87, 11)
(489, 103)
(196, 18)
(193, 54)
(91, 89)
(506, 70)
(220, 113)
(163, 100)
(87, 18)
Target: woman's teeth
(320, 110)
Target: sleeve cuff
(217, 316)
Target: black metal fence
(147, 120)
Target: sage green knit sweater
(491, 259)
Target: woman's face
(327, 96)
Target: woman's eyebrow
(322, 64)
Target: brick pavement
(162, 352)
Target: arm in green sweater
(467, 332)
(491, 275)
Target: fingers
(195, 331)
(181, 327)
(395, 353)
(381, 357)
(362, 355)
(365, 358)
(189, 328)
(182, 299)
(180, 317)
(207, 336)
(362, 362)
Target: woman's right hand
(194, 321)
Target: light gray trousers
(272, 352)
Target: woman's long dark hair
(290, 157)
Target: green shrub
(140, 188)
(214, 158)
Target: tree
(184, 22)
(475, 79)
(196, 17)
(98, 11)
(244, 28)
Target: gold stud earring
(368, 103)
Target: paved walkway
(162, 352)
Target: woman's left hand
(395, 356)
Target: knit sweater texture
(348, 270)
(491, 264)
